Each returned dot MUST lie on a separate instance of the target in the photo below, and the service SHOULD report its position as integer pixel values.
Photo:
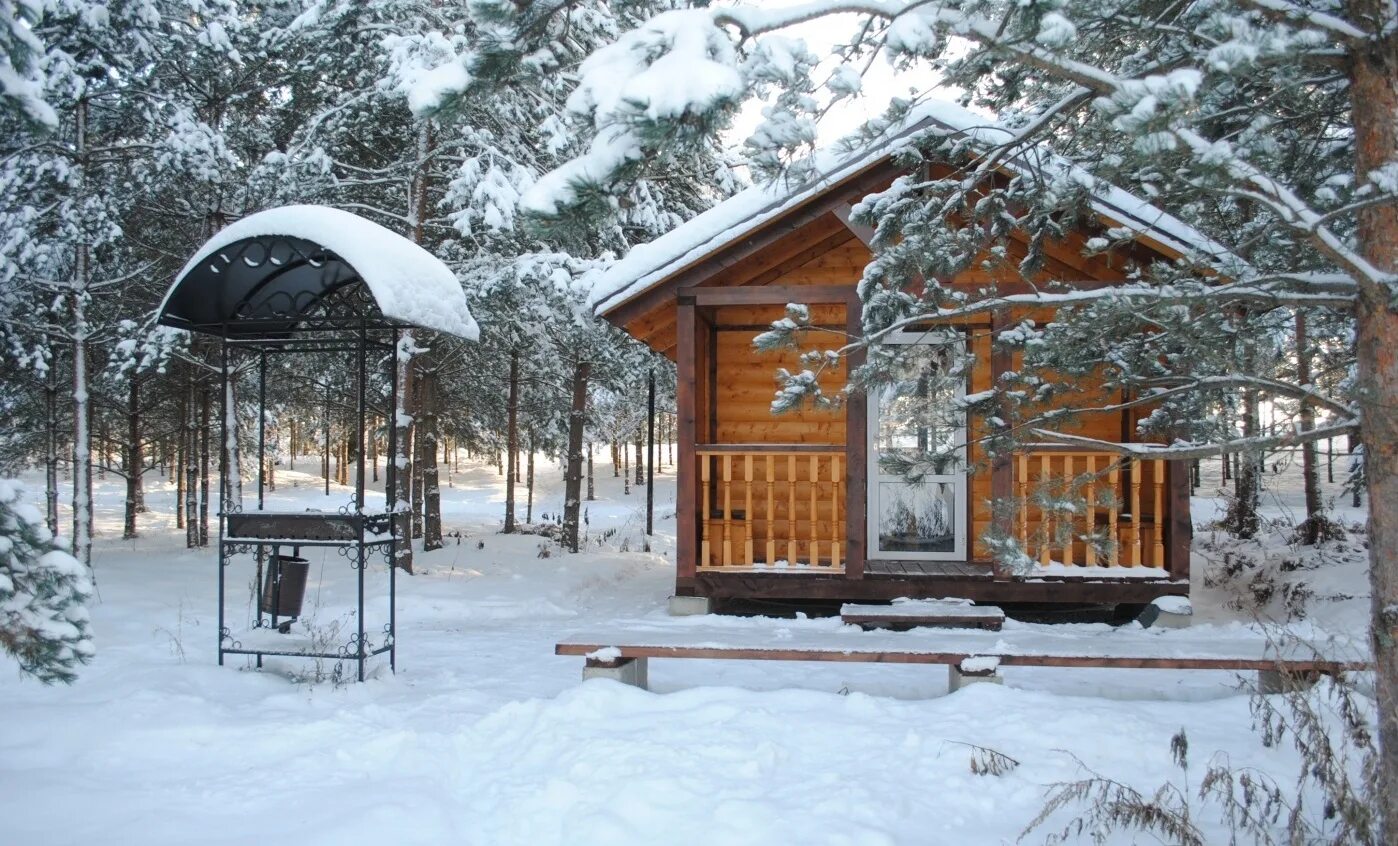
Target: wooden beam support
(856, 451)
(1178, 520)
(865, 234)
(1002, 467)
(768, 295)
(687, 407)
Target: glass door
(917, 450)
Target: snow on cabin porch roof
(273, 267)
(648, 265)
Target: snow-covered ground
(485, 737)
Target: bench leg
(630, 671)
(1281, 681)
(690, 606)
(957, 678)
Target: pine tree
(43, 591)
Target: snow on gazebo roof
(317, 249)
(647, 264)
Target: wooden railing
(771, 505)
(1091, 509)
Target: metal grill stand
(272, 296)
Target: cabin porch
(786, 506)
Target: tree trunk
(1356, 457)
(431, 485)
(640, 453)
(232, 458)
(616, 460)
(419, 453)
(1310, 473)
(191, 470)
(177, 467)
(400, 497)
(102, 444)
(1242, 511)
(373, 449)
(1374, 102)
(511, 442)
(572, 477)
(51, 446)
(204, 406)
(82, 440)
(529, 482)
(133, 458)
(291, 458)
(591, 480)
(625, 469)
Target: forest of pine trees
(157, 123)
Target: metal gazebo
(301, 280)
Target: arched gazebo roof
(274, 271)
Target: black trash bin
(284, 585)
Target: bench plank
(1023, 645)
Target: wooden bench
(970, 656)
(905, 614)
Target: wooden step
(904, 614)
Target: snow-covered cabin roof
(646, 265)
(274, 266)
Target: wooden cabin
(793, 506)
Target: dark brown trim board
(856, 449)
(686, 507)
(883, 588)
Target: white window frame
(958, 481)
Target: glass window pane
(918, 419)
(917, 518)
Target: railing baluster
(791, 508)
(727, 509)
(1158, 524)
(1136, 513)
(747, 509)
(836, 479)
(771, 513)
(1068, 480)
(706, 513)
(815, 524)
(1089, 548)
(1024, 502)
(1113, 530)
(1045, 514)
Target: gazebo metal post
(261, 425)
(390, 475)
(325, 420)
(360, 562)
